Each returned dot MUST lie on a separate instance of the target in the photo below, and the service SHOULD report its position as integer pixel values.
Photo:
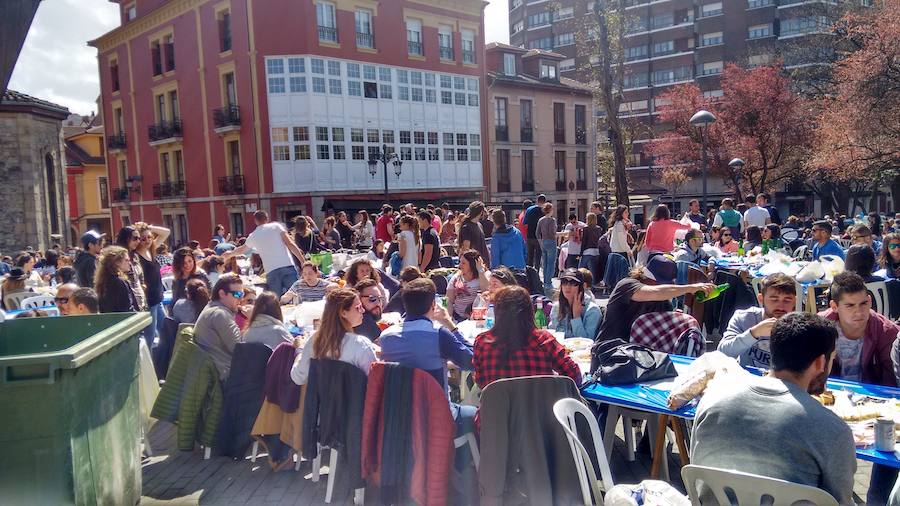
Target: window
(517, 27)
(298, 84)
(369, 73)
(420, 154)
(419, 137)
(462, 139)
(276, 85)
(405, 137)
(527, 170)
(459, 83)
(662, 21)
(581, 170)
(560, 164)
(432, 137)
(323, 152)
(356, 135)
(301, 134)
(403, 92)
(337, 134)
(567, 65)
(114, 75)
(548, 71)
(281, 153)
(327, 22)
(334, 86)
(406, 153)
(339, 152)
(334, 68)
(509, 64)
(224, 19)
(354, 88)
(759, 31)
(711, 39)
(503, 170)
(364, 36)
(373, 152)
(372, 135)
(803, 25)
(709, 68)
(539, 19)
(663, 48)
(541, 43)
(403, 77)
(447, 97)
(500, 123)
(417, 94)
(318, 84)
(130, 12)
(433, 154)
(459, 98)
(384, 74)
(475, 155)
(462, 155)
(559, 123)
(279, 134)
(448, 139)
(385, 91)
(169, 52)
(103, 187)
(322, 134)
(446, 82)
(757, 60)
(565, 39)
(430, 96)
(668, 76)
(445, 42)
(415, 78)
(475, 139)
(467, 38)
(713, 9)
(318, 66)
(449, 154)
(755, 4)
(237, 224)
(580, 124)
(414, 37)
(301, 152)
(563, 13)
(636, 53)
(358, 152)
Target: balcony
(120, 194)
(468, 57)
(232, 185)
(580, 136)
(446, 53)
(366, 40)
(164, 132)
(526, 135)
(116, 142)
(581, 185)
(560, 186)
(414, 48)
(559, 135)
(501, 133)
(227, 119)
(328, 34)
(170, 190)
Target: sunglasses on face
(237, 294)
(61, 300)
(375, 298)
(893, 245)
(135, 238)
(726, 235)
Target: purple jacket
(280, 389)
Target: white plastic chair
(756, 284)
(167, 283)
(750, 489)
(879, 292)
(37, 302)
(845, 243)
(14, 300)
(801, 252)
(565, 411)
(358, 494)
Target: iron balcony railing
(231, 185)
(229, 115)
(116, 141)
(328, 33)
(414, 47)
(164, 130)
(120, 195)
(365, 40)
(169, 190)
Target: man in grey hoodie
(747, 336)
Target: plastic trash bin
(70, 423)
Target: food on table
(577, 344)
(826, 398)
(689, 389)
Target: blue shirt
(831, 247)
(421, 344)
(532, 215)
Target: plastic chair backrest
(2, 316)
(37, 302)
(167, 282)
(750, 489)
(14, 300)
(801, 252)
(565, 411)
(880, 298)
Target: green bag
(322, 260)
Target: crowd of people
(434, 266)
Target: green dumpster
(70, 424)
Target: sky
(56, 64)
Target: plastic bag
(645, 493)
(693, 382)
(812, 272)
(833, 265)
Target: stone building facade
(33, 202)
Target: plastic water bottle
(478, 307)
(489, 316)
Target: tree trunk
(895, 191)
(610, 98)
(618, 150)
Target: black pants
(533, 253)
(572, 261)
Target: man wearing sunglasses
(63, 298)
(862, 234)
(216, 331)
(823, 244)
(373, 302)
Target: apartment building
(542, 135)
(670, 42)
(218, 108)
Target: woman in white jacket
(619, 224)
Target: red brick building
(217, 108)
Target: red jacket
(432, 428)
(522, 226)
(876, 366)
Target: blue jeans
(158, 313)
(280, 279)
(548, 261)
(591, 263)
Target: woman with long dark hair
(619, 225)
(196, 298)
(363, 231)
(184, 269)
(110, 282)
(335, 339)
(150, 238)
(575, 314)
(304, 237)
(890, 255)
(464, 286)
(514, 347)
(266, 323)
(129, 238)
(754, 238)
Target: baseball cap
(661, 269)
(571, 275)
(90, 237)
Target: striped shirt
(306, 293)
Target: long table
(651, 398)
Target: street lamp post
(703, 119)
(385, 158)
(737, 165)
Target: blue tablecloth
(650, 398)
